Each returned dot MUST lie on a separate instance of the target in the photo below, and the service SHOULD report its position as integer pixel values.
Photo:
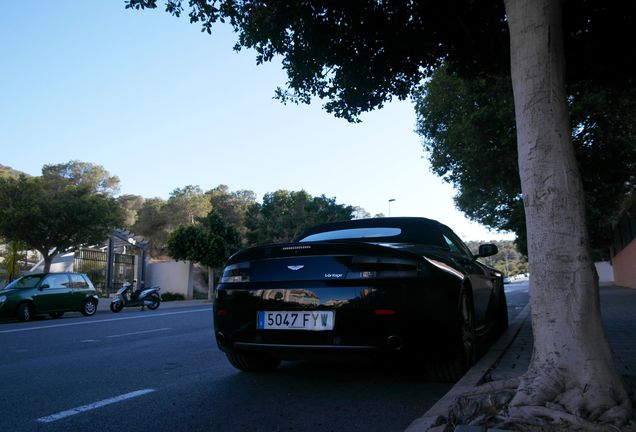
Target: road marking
(139, 332)
(89, 321)
(63, 414)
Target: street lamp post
(390, 201)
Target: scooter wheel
(116, 306)
(155, 299)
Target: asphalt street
(161, 371)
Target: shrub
(168, 296)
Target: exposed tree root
(537, 402)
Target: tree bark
(48, 259)
(572, 367)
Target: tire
(116, 306)
(156, 301)
(89, 307)
(56, 314)
(464, 351)
(252, 362)
(25, 311)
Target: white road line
(92, 321)
(95, 405)
(139, 332)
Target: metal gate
(94, 263)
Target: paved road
(161, 371)
(517, 297)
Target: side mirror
(43, 286)
(487, 250)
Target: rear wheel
(465, 345)
(252, 362)
(24, 312)
(154, 298)
(89, 307)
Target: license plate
(295, 320)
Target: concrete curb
(473, 377)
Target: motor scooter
(128, 296)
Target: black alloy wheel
(89, 307)
(24, 312)
(464, 349)
(469, 337)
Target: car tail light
(370, 267)
(384, 312)
(236, 273)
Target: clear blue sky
(162, 105)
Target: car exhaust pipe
(220, 338)
(395, 343)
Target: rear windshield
(25, 282)
(354, 233)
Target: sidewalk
(104, 304)
(510, 356)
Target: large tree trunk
(572, 375)
(48, 259)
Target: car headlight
(3, 298)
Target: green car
(48, 293)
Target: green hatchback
(48, 293)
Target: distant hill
(6, 171)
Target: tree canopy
(358, 56)
(156, 218)
(210, 241)
(79, 173)
(284, 215)
(50, 219)
(469, 135)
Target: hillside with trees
(508, 261)
(6, 171)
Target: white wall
(61, 263)
(171, 276)
(605, 272)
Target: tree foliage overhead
(469, 135)
(359, 55)
(356, 56)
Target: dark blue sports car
(396, 287)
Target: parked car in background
(48, 293)
(389, 287)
